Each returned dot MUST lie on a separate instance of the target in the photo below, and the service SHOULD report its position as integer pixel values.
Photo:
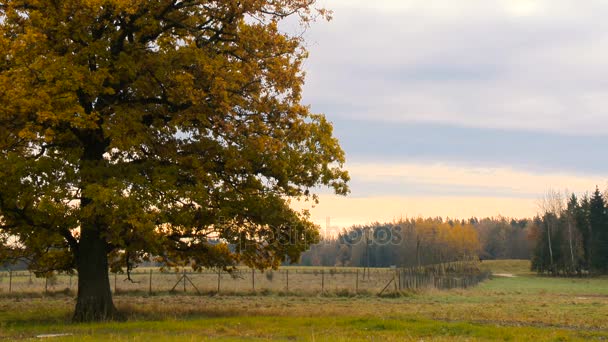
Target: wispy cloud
(531, 65)
(385, 191)
(461, 108)
(442, 179)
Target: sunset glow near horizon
(460, 108)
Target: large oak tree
(166, 129)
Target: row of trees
(414, 242)
(568, 237)
(572, 235)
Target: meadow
(521, 307)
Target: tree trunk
(570, 240)
(94, 301)
(590, 249)
(418, 251)
(550, 247)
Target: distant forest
(571, 237)
(414, 242)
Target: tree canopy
(168, 129)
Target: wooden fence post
(287, 280)
(395, 283)
(219, 276)
(150, 284)
(322, 281)
(357, 282)
(253, 279)
(399, 278)
(10, 281)
(184, 279)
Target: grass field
(524, 307)
(515, 267)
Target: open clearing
(505, 275)
(524, 307)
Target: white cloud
(515, 8)
(514, 64)
(514, 183)
(535, 65)
(522, 7)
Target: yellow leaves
(455, 238)
(27, 133)
(49, 134)
(125, 6)
(169, 114)
(187, 88)
(47, 116)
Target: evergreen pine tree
(598, 223)
(540, 254)
(575, 235)
(582, 222)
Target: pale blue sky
(517, 89)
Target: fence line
(292, 280)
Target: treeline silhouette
(423, 241)
(571, 235)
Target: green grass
(526, 307)
(515, 267)
(551, 285)
(305, 328)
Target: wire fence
(244, 281)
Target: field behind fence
(295, 280)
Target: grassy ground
(525, 307)
(515, 267)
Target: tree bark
(549, 223)
(94, 302)
(570, 241)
